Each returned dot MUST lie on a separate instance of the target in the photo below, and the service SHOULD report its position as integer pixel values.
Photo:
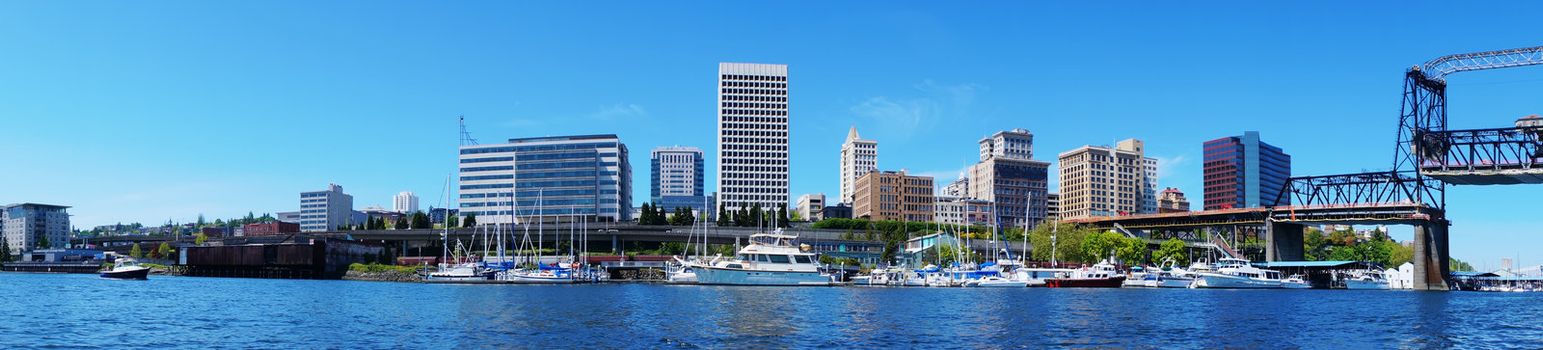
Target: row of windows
(485, 160)
(568, 155)
(754, 172)
(487, 177)
(728, 111)
(749, 143)
(487, 168)
(754, 84)
(753, 77)
(751, 158)
(539, 193)
(531, 203)
(777, 186)
(752, 91)
(754, 126)
(763, 134)
(539, 148)
(756, 98)
(754, 105)
(751, 119)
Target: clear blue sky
(149, 111)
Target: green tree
(783, 220)
(200, 238)
(1132, 251)
(421, 220)
(757, 216)
(164, 251)
(452, 220)
(724, 219)
(1400, 254)
(5, 250)
(42, 242)
(1172, 249)
(1458, 265)
(136, 252)
(401, 223)
(200, 223)
(645, 215)
(1101, 245)
(471, 220)
(1315, 245)
(1067, 246)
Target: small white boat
(542, 275)
(1035, 277)
(126, 269)
(459, 273)
(1238, 273)
(1367, 279)
(998, 282)
(680, 273)
(1295, 282)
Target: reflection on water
(84, 311)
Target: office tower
(1243, 172)
(1103, 181)
(752, 135)
(893, 195)
(678, 180)
(858, 157)
(558, 179)
(1008, 177)
(326, 210)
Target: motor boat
(1140, 277)
(127, 269)
(458, 273)
(771, 259)
(1237, 273)
(1367, 279)
(1296, 282)
(1035, 277)
(997, 282)
(1169, 275)
(679, 273)
(1100, 275)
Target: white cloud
(904, 116)
(619, 111)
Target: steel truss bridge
(1427, 157)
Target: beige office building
(1100, 181)
(893, 195)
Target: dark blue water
(69, 311)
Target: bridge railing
(1484, 149)
(1361, 190)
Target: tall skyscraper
(1008, 177)
(858, 157)
(677, 175)
(752, 135)
(326, 210)
(405, 202)
(556, 179)
(1243, 172)
(1103, 181)
(24, 226)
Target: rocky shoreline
(388, 276)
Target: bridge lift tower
(1427, 157)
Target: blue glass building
(1243, 172)
(559, 179)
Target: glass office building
(555, 179)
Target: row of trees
(416, 220)
(655, 215)
(164, 251)
(1348, 245)
(754, 216)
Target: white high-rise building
(405, 202)
(326, 210)
(554, 179)
(752, 135)
(858, 157)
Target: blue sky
(155, 111)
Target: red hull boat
(1107, 282)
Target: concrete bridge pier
(1283, 241)
(1432, 258)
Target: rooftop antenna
(466, 139)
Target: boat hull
(135, 274)
(736, 277)
(1233, 282)
(1110, 282)
(1366, 285)
(1174, 282)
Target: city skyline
(149, 137)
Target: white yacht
(1170, 275)
(680, 273)
(769, 260)
(1367, 279)
(1035, 277)
(1237, 273)
(543, 274)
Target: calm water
(68, 311)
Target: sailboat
(556, 273)
(462, 272)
